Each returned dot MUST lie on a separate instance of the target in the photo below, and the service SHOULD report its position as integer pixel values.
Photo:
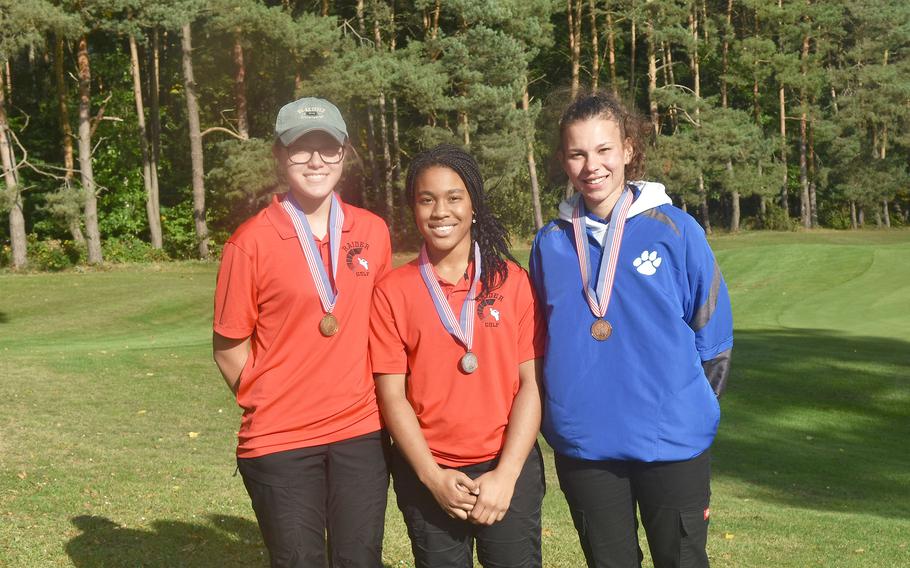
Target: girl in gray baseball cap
(292, 308)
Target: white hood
(652, 195)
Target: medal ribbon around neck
(463, 328)
(328, 295)
(599, 299)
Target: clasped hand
(482, 501)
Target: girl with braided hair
(455, 341)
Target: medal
(462, 329)
(469, 362)
(328, 295)
(328, 325)
(598, 296)
(601, 329)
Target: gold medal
(328, 325)
(601, 329)
(469, 362)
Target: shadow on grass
(104, 543)
(226, 541)
(3, 317)
(819, 420)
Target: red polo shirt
(299, 388)
(462, 416)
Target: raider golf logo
(487, 311)
(355, 258)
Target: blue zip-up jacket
(645, 393)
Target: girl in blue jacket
(638, 348)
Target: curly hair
(632, 127)
(490, 235)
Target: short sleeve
(386, 255)
(387, 348)
(531, 330)
(236, 304)
(710, 316)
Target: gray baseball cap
(306, 115)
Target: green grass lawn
(119, 434)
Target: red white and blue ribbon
(328, 294)
(599, 295)
(463, 328)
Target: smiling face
(443, 211)
(314, 180)
(594, 156)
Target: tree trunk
(155, 134)
(734, 197)
(805, 210)
(725, 57)
(784, 198)
(734, 194)
(371, 122)
(384, 135)
(886, 213)
(813, 203)
(73, 220)
(696, 81)
(900, 211)
(611, 47)
(151, 197)
(9, 82)
(703, 204)
(396, 144)
(854, 224)
(595, 45)
(573, 12)
(532, 164)
(192, 112)
(652, 75)
(633, 78)
(90, 203)
(11, 179)
(243, 128)
(861, 216)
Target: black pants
(334, 495)
(672, 498)
(439, 541)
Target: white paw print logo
(647, 263)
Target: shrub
(54, 254)
(131, 249)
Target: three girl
(637, 349)
(639, 333)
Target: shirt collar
(279, 219)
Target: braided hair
(489, 234)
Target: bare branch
(24, 161)
(346, 25)
(687, 116)
(100, 115)
(221, 129)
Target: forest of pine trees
(142, 130)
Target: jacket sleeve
(710, 314)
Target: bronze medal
(328, 325)
(601, 329)
(469, 362)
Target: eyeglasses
(328, 154)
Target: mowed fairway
(118, 434)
